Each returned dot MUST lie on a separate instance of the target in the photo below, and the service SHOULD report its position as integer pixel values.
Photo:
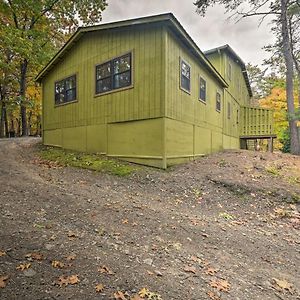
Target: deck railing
(256, 121)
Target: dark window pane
(202, 89)
(185, 83)
(122, 80)
(104, 85)
(70, 83)
(103, 71)
(122, 64)
(70, 95)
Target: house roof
(167, 19)
(233, 54)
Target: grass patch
(86, 161)
(273, 170)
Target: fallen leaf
(2, 253)
(190, 269)
(35, 256)
(125, 221)
(119, 296)
(105, 270)
(212, 296)
(23, 267)
(72, 235)
(3, 280)
(220, 285)
(143, 292)
(57, 264)
(71, 257)
(65, 280)
(99, 288)
(73, 279)
(282, 285)
(210, 271)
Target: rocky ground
(223, 227)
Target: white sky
(214, 30)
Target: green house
(141, 90)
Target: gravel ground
(223, 227)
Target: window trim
(180, 86)
(131, 52)
(201, 100)
(76, 89)
(218, 92)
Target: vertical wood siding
(143, 101)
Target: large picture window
(185, 76)
(65, 90)
(202, 93)
(114, 74)
(218, 101)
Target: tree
(279, 9)
(37, 28)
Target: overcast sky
(214, 30)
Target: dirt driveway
(223, 227)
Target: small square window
(185, 76)
(202, 93)
(218, 102)
(65, 90)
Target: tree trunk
(288, 57)
(23, 74)
(3, 121)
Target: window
(202, 94)
(218, 101)
(114, 74)
(237, 116)
(185, 76)
(65, 90)
(229, 111)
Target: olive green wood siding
(142, 102)
(193, 128)
(245, 120)
(83, 125)
(154, 122)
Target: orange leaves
(99, 288)
(2, 253)
(66, 280)
(119, 296)
(143, 292)
(71, 257)
(105, 270)
(57, 264)
(220, 284)
(212, 296)
(3, 280)
(190, 269)
(210, 271)
(35, 256)
(23, 267)
(281, 285)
